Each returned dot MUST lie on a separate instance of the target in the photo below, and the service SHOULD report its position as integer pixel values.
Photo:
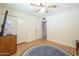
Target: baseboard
(21, 43)
(61, 44)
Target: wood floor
(22, 47)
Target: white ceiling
(27, 8)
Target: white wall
(23, 25)
(29, 28)
(26, 29)
(63, 27)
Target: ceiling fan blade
(52, 6)
(34, 5)
(37, 10)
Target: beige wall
(24, 25)
(63, 27)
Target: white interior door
(38, 29)
(22, 31)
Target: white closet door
(22, 30)
(38, 29)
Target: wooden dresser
(8, 45)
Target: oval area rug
(45, 50)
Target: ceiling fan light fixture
(42, 9)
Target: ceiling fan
(44, 6)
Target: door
(21, 32)
(44, 29)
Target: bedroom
(37, 24)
